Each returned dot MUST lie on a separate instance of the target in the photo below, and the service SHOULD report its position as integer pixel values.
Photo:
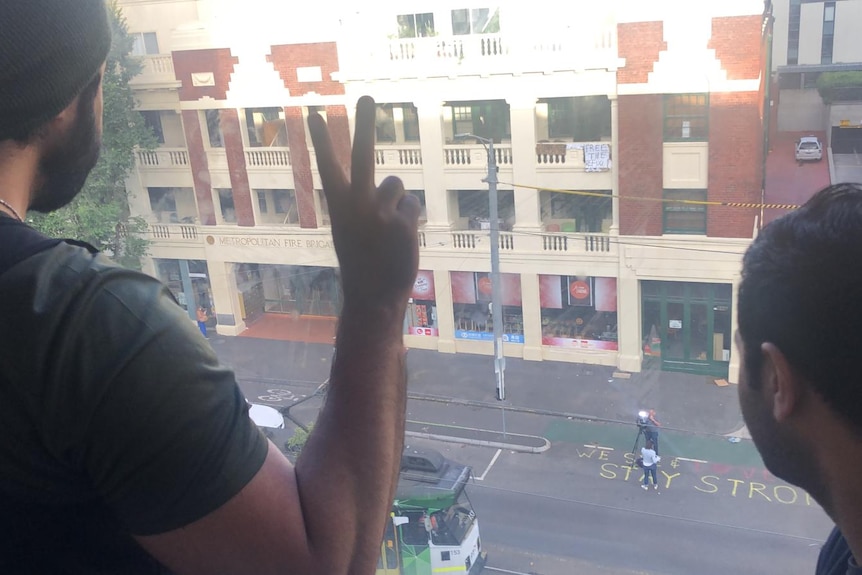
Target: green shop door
(686, 326)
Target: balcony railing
(267, 158)
(440, 56)
(403, 156)
(478, 240)
(174, 232)
(475, 156)
(163, 158)
(156, 69)
(576, 243)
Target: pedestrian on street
(650, 460)
(202, 320)
(126, 446)
(651, 431)
(799, 377)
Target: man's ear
(780, 381)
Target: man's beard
(65, 168)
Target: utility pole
(496, 284)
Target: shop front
(189, 281)
(687, 326)
(473, 312)
(579, 312)
(421, 316)
(286, 289)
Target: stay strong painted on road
(711, 479)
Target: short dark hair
(801, 290)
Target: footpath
(683, 402)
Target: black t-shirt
(836, 558)
(115, 417)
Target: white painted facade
(557, 52)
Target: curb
(482, 443)
(548, 412)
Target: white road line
(598, 447)
(487, 469)
(692, 460)
(497, 569)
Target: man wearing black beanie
(124, 446)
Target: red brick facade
(217, 60)
(200, 167)
(738, 41)
(231, 131)
(639, 43)
(300, 161)
(735, 162)
(286, 58)
(640, 163)
(339, 130)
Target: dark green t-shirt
(115, 417)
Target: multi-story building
(605, 123)
(812, 38)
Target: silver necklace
(15, 213)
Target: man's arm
(328, 514)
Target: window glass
(681, 217)
(213, 120)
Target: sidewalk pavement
(580, 391)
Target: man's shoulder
(835, 556)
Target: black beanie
(49, 51)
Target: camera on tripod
(642, 419)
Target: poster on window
(421, 317)
(579, 312)
(474, 314)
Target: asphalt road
(578, 507)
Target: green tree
(100, 214)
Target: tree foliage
(845, 85)
(100, 214)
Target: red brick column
(300, 161)
(231, 130)
(200, 167)
(640, 163)
(640, 44)
(339, 129)
(735, 153)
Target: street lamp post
(496, 285)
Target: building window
(584, 119)
(144, 43)
(794, 19)
(790, 80)
(385, 123)
(684, 218)
(420, 195)
(411, 122)
(474, 316)
(572, 213)
(213, 120)
(686, 117)
(153, 120)
(266, 127)
(488, 119)
(173, 205)
(322, 208)
(828, 33)
(225, 199)
(474, 206)
(476, 21)
(278, 207)
(416, 25)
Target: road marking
(598, 447)
(691, 460)
(277, 395)
(487, 568)
(487, 469)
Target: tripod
(641, 433)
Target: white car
(809, 148)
